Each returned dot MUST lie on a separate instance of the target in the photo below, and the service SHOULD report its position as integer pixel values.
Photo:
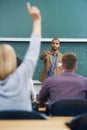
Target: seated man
(66, 85)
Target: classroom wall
(60, 18)
(80, 48)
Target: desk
(52, 123)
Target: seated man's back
(66, 85)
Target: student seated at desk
(66, 85)
(14, 82)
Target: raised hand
(34, 12)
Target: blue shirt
(51, 70)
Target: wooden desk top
(52, 123)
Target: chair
(18, 114)
(67, 107)
(78, 123)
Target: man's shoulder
(52, 78)
(82, 77)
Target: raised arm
(31, 57)
(35, 14)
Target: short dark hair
(55, 39)
(69, 60)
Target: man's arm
(44, 55)
(43, 94)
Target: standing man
(52, 60)
(65, 85)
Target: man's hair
(55, 39)
(69, 60)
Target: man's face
(55, 45)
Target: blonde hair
(8, 62)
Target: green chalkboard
(79, 48)
(60, 18)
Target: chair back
(78, 123)
(68, 107)
(18, 114)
